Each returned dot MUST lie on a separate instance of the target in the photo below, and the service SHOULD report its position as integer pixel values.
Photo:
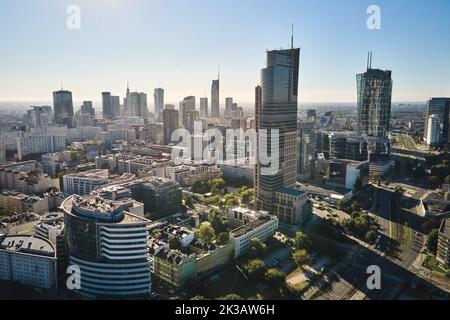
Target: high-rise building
(170, 124)
(135, 104)
(311, 115)
(374, 101)
(215, 102)
(187, 105)
(277, 111)
(189, 118)
(203, 108)
(63, 107)
(115, 107)
(86, 108)
(109, 245)
(307, 148)
(159, 103)
(106, 105)
(228, 107)
(441, 108)
(433, 133)
(39, 116)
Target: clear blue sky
(177, 44)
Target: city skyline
(186, 63)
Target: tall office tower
(169, 107)
(109, 245)
(374, 101)
(189, 118)
(115, 107)
(203, 108)
(311, 115)
(86, 108)
(63, 107)
(158, 97)
(188, 104)
(433, 133)
(106, 105)
(39, 116)
(307, 148)
(170, 124)
(441, 108)
(215, 102)
(228, 107)
(136, 104)
(277, 110)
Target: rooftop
(239, 232)
(292, 192)
(445, 227)
(27, 244)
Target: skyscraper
(136, 104)
(159, 103)
(307, 147)
(63, 107)
(276, 109)
(215, 102)
(106, 105)
(187, 105)
(204, 107)
(170, 124)
(228, 107)
(115, 107)
(441, 108)
(433, 133)
(374, 101)
(86, 108)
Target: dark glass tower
(276, 108)
(63, 107)
(441, 108)
(374, 101)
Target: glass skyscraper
(276, 109)
(63, 107)
(374, 102)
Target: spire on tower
(292, 37)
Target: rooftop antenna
(218, 71)
(128, 86)
(370, 59)
(61, 85)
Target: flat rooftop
(239, 232)
(445, 227)
(28, 244)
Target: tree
(302, 241)
(175, 243)
(430, 225)
(447, 179)
(432, 240)
(189, 201)
(301, 257)
(371, 236)
(206, 232)
(355, 206)
(231, 296)
(223, 238)
(260, 248)
(198, 298)
(255, 268)
(275, 277)
(217, 222)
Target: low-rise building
(262, 228)
(291, 206)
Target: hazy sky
(178, 44)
